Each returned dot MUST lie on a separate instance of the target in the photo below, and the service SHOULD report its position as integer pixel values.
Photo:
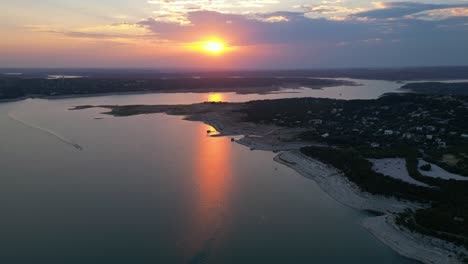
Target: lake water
(156, 189)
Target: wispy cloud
(402, 9)
(176, 11)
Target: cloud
(307, 41)
(330, 8)
(320, 35)
(118, 32)
(275, 19)
(441, 14)
(256, 29)
(176, 11)
(402, 9)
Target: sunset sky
(240, 34)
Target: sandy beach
(412, 245)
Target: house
(325, 135)
(407, 135)
(442, 144)
(375, 145)
(464, 135)
(429, 137)
(316, 121)
(388, 132)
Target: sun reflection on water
(212, 170)
(215, 97)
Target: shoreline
(412, 245)
(415, 246)
(72, 96)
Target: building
(388, 132)
(316, 121)
(407, 135)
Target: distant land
(14, 87)
(389, 74)
(24, 83)
(438, 88)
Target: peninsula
(402, 156)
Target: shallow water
(156, 189)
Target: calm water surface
(156, 189)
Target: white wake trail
(45, 130)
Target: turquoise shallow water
(156, 189)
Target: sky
(257, 34)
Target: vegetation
(409, 126)
(19, 87)
(359, 170)
(426, 167)
(445, 219)
(438, 88)
(431, 124)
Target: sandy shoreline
(335, 184)
(412, 245)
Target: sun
(213, 46)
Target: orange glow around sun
(212, 46)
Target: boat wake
(46, 130)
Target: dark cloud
(322, 42)
(401, 9)
(252, 29)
